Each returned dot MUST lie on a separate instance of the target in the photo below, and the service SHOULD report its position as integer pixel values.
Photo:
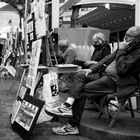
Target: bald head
(63, 45)
(133, 33)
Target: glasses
(128, 37)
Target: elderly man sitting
(67, 55)
(126, 62)
(66, 52)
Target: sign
(27, 115)
(17, 103)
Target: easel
(40, 46)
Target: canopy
(91, 3)
(68, 5)
(119, 16)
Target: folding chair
(102, 103)
(121, 107)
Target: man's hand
(87, 63)
(123, 45)
(86, 71)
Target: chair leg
(112, 122)
(104, 108)
(101, 106)
(100, 115)
(105, 111)
(131, 108)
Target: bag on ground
(50, 90)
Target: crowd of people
(118, 71)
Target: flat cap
(133, 31)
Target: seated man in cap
(127, 61)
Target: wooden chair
(102, 103)
(105, 101)
(121, 107)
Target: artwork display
(40, 18)
(34, 61)
(26, 107)
(26, 115)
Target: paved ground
(126, 128)
(42, 131)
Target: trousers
(84, 87)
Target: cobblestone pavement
(42, 131)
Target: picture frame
(27, 115)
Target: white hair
(63, 42)
(97, 36)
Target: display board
(33, 66)
(27, 107)
(26, 116)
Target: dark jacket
(101, 65)
(128, 68)
(100, 52)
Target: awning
(120, 15)
(113, 20)
(91, 3)
(68, 5)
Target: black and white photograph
(70, 69)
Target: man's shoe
(61, 110)
(66, 130)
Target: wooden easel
(40, 63)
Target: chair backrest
(84, 52)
